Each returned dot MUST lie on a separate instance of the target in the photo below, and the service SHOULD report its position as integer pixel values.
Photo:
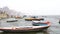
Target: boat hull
(26, 30)
(34, 19)
(12, 21)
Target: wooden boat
(30, 19)
(38, 23)
(12, 20)
(25, 28)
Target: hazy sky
(33, 7)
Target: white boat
(12, 20)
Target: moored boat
(30, 19)
(12, 20)
(39, 23)
(26, 28)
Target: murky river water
(53, 29)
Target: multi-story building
(3, 15)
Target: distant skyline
(33, 7)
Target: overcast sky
(33, 7)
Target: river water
(53, 29)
